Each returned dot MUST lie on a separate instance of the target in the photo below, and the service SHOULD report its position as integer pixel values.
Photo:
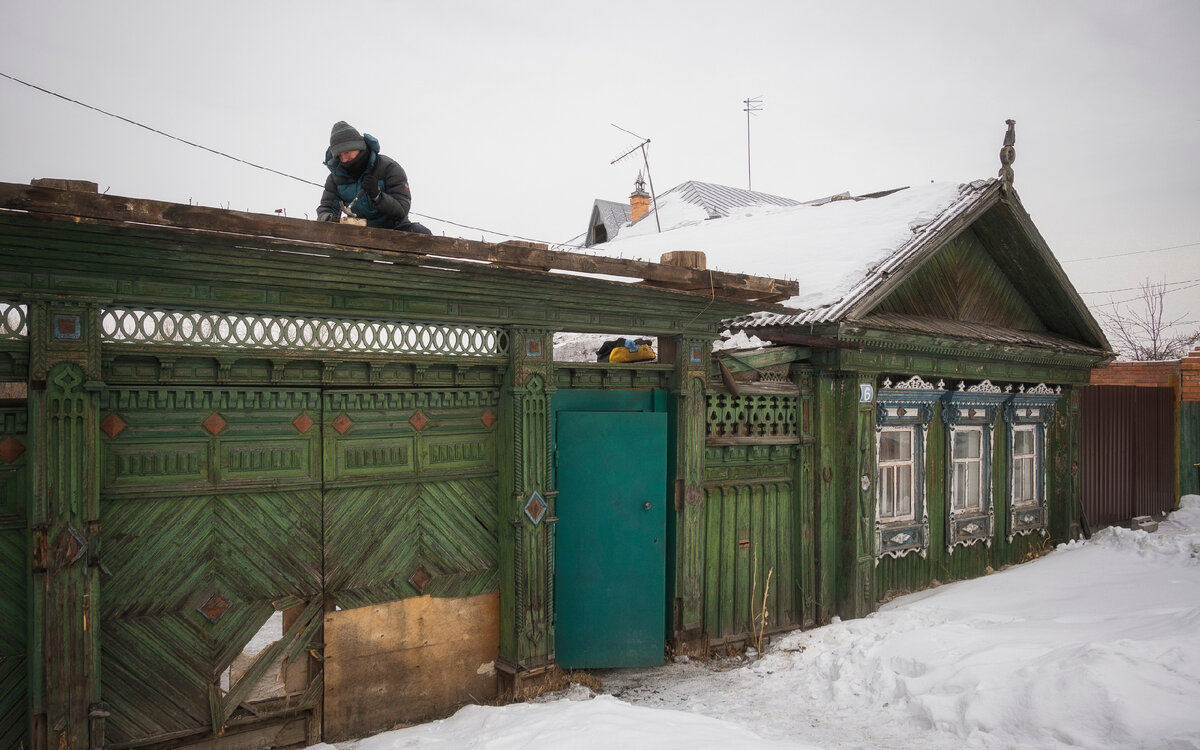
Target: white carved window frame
(907, 405)
(895, 474)
(971, 409)
(1029, 410)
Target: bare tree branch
(1139, 331)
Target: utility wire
(1135, 288)
(252, 164)
(1135, 252)
(1135, 299)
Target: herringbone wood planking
(168, 556)
(376, 537)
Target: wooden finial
(1008, 154)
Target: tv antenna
(753, 104)
(646, 161)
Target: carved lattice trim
(14, 321)
(247, 331)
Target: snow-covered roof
(837, 249)
(721, 200)
(609, 214)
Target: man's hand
(327, 216)
(370, 186)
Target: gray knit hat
(345, 138)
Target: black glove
(370, 186)
(327, 216)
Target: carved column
(527, 514)
(690, 384)
(64, 523)
(862, 599)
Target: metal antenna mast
(753, 104)
(645, 160)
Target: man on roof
(366, 183)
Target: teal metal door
(610, 579)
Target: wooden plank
(407, 660)
(729, 555)
(352, 239)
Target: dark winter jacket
(342, 187)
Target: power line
(1137, 252)
(1170, 291)
(250, 163)
(1135, 288)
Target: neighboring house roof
(722, 200)
(849, 253)
(715, 201)
(606, 220)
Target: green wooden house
(911, 417)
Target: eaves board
(967, 355)
(154, 266)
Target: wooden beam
(521, 255)
(784, 336)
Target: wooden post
(527, 518)
(862, 515)
(64, 521)
(689, 384)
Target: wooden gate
(1128, 452)
(244, 527)
(14, 488)
(211, 523)
(410, 513)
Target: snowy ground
(1095, 645)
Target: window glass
(966, 490)
(895, 479)
(967, 443)
(895, 445)
(1024, 466)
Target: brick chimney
(639, 199)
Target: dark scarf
(355, 166)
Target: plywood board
(408, 660)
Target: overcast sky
(502, 112)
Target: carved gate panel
(411, 554)
(211, 539)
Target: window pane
(959, 491)
(887, 492)
(967, 443)
(895, 445)
(904, 491)
(1023, 481)
(973, 485)
(1023, 442)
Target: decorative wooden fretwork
(907, 405)
(247, 331)
(13, 321)
(765, 418)
(1026, 414)
(970, 411)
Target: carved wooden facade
(236, 420)
(228, 424)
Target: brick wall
(1189, 376)
(1148, 374)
